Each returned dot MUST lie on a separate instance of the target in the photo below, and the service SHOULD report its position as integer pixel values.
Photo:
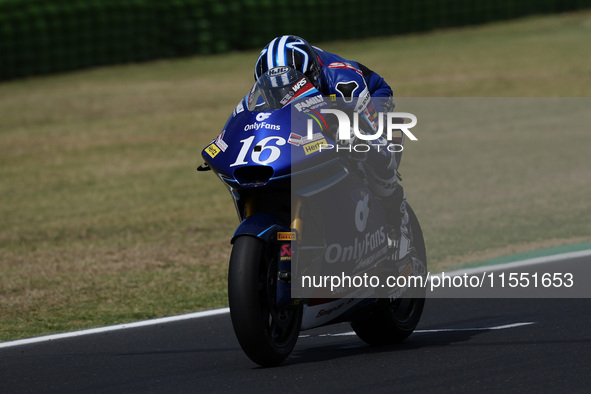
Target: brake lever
(204, 167)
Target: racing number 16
(273, 154)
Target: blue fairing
(269, 140)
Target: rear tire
(266, 334)
(393, 321)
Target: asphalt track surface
(461, 345)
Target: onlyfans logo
(263, 125)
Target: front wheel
(267, 334)
(393, 321)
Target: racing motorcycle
(306, 214)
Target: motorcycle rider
(338, 77)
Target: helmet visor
(277, 88)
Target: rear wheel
(267, 334)
(393, 321)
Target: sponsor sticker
(277, 71)
(285, 252)
(363, 100)
(372, 116)
(316, 136)
(313, 146)
(312, 102)
(324, 312)
(295, 139)
(239, 108)
(287, 98)
(262, 116)
(212, 150)
(285, 236)
(299, 84)
(219, 142)
(262, 125)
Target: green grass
(104, 219)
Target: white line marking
(519, 264)
(469, 271)
(144, 323)
(503, 327)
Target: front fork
(287, 253)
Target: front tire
(266, 333)
(392, 322)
